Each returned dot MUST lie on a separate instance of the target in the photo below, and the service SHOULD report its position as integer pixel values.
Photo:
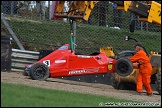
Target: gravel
(81, 87)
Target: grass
(50, 35)
(16, 95)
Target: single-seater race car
(64, 62)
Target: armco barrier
(22, 57)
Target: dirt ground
(82, 87)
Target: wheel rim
(123, 68)
(40, 72)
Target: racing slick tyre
(158, 81)
(39, 71)
(123, 67)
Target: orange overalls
(145, 70)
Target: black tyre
(39, 71)
(158, 81)
(123, 67)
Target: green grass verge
(89, 38)
(16, 95)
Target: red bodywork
(64, 62)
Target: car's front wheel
(39, 71)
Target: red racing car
(64, 62)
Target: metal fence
(102, 29)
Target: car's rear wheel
(123, 67)
(39, 71)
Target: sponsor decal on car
(83, 56)
(83, 71)
(60, 61)
(109, 66)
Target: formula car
(64, 62)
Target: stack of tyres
(6, 50)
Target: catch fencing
(37, 28)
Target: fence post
(74, 33)
(11, 32)
(12, 7)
